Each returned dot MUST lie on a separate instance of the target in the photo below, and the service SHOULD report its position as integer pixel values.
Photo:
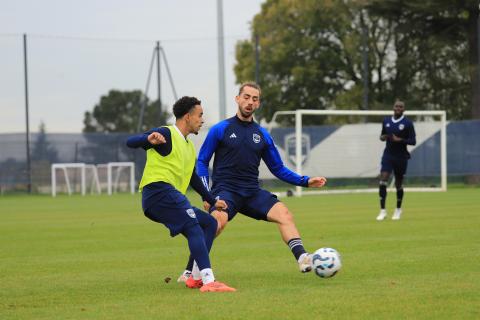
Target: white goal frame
(83, 176)
(118, 167)
(298, 145)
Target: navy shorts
(395, 164)
(256, 206)
(171, 208)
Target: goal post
(72, 168)
(301, 143)
(118, 168)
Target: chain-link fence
(463, 154)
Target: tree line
(343, 54)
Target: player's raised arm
(158, 138)
(275, 164)
(139, 141)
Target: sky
(79, 50)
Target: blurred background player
(169, 169)
(239, 143)
(398, 132)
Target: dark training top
(239, 146)
(403, 128)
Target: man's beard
(246, 114)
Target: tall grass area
(98, 257)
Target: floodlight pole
(29, 166)
(159, 84)
(221, 62)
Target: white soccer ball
(326, 262)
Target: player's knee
(222, 220)
(220, 228)
(286, 217)
(399, 182)
(212, 225)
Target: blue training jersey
(403, 128)
(239, 146)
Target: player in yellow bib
(169, 170)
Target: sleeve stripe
(205, 183)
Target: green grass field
(98, 257)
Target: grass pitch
(98, 257)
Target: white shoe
(305, 263)
(382, 215)
(397, 214)
(184, 276)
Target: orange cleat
(193, 284)
(216, 286)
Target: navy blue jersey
(403, 128)
(239, 146)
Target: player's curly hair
(184, 105)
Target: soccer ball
(326, 262)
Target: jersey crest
(191, 213)
(256, 138)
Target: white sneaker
(382, 215)
(397, 214)
(305, 263)
(184, 276)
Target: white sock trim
(207, 275)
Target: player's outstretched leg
(208, 225)
(280, 214)
(198, 249)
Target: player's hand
(155, 138)
(396, 138)
(206, 206)
(384, 137)
(220, 205)
(317, 182)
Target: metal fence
(463, 154)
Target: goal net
(117, 177)
(74, 177)
(344, 147)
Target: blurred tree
(308, 55)
(43, 155)
(119, 111)
(436, 48)
(42, 149)
(311, 54)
